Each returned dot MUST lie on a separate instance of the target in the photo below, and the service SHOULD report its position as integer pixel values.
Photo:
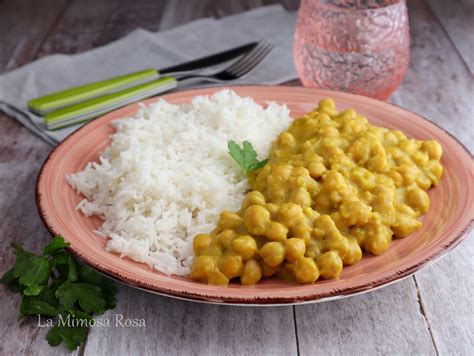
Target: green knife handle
(95, 107)
(54, 101)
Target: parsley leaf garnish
(55, 285)
(73, 336)
(246, 157)
(88, 296)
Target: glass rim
(395, 3)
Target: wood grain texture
(384, 322)
(446, 294)
(188, 328)
(22, 30)
(86, 24)
(444, 95)
(457, 18)
(178, 12)
(438, 85)
(397, 319)
(20, 222)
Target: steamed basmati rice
(167, 175)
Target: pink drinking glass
(358, 46)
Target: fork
(95, 107)
(236, 70)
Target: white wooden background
(430, 313)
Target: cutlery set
(83, 103)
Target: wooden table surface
(428, 313)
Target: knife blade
(210, 60)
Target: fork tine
(255, 58)
(249, 58)
(244, 69)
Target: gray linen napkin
(142, 49)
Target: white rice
(167, 175)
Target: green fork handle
(92, 108)
(60, 99)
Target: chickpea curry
(334, 186)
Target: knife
(149, 77)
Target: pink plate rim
(214, 297)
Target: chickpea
(217, 278)
(408, 145)
(330, 265)
(313, 249)
(245, 246)
(290, 212)
(418, 199)
(253, 198)
(333, 181)
(328, 131)
(361, 119)
(405, 209)
(316, 169)
(330, 147)
(328, 102)
(256, 219)
(201, 243)
(301, 172)
(405, 225)
(420, 158)
(396, 178)
(282, 171)
(423, 181)
(301, 229)
(354, 253)
(400, 135)
(276, 231)
(229, 220)
(286, 139)
(355, 212)
(302, 197)
(378, 164)
(434, 171)
(409, 173)
(338, 244)
(231, 265)
(358, 150)
(251, 273)
(390, 138)
(306, 270)
(433, 149)
(327, 225)
(294, 248)
(225, 237)
(273, 253)
(318, 233)
(341, 223)
(310, 213)
(272, 209)
(202, 266)
(268, 271)
(348, 114)
(321, 202)
(328, 107)
(376, 244)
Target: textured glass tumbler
(361, 47)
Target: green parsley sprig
(53, 284)
(246, 157)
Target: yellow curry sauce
(334, 186)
